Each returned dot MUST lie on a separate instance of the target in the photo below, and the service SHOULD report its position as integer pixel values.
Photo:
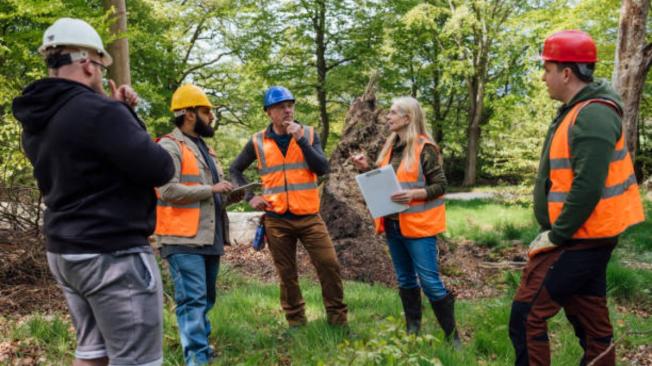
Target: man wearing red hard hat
(585, 196)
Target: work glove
(541, 244)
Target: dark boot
(411, 299)
(445, 312)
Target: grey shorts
(116, 304)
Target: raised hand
(293, 128)
(123, 93)
(360, 162)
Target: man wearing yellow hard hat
(191, 223)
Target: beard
(98, 86)
(203, 129)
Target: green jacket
(594, 136)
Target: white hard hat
(74, 32)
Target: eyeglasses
(103, 67)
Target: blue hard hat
(276, 94)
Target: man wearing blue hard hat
(289, 159)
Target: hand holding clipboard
(377, 187)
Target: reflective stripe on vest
(174, 219)
(288, 182)
(620, 203)
(422, 218)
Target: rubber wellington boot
(445, 312)
(411, 299)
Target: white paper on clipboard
(377, 186)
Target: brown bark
(319, 26)
(473, 133)
(633, 60)
(119, 49)
(361, 252)
(476, 84)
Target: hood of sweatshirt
(42, 99)
(599, 89)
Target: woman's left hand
(403, 197)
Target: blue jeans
(415, 257)
(194, 279)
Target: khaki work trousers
(282, 236)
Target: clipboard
(377, 186)
(245, 187)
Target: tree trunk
(476, 92)
(360, 251)
(119, 48)
(319, 25)
(633, 59)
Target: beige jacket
(175, 192)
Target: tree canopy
(472, 64)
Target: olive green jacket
(593, 140)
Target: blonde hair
(409, 107)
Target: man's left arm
(314, 155)
(594, 137)
(119, 136)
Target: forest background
(473, 65)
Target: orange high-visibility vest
(180, 219)
(423, 218)
(287, 181)
(620, 203)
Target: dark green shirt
(593, 139)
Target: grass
(489, 223)
(249, 327)
(639, 237)
(629, 284)
(250, 330)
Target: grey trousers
(116, 304)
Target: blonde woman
(412, 234)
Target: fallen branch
(613, 345)
(503, 265)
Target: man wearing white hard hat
(97, 167)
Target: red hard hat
(569, 46)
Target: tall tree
(418, 62)
(119, 71)
(476, 26)
(633, 61)
(322, 50)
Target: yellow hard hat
(188, 96)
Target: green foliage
(21, 27)
(234, 49)
(249, 326)
(44, 332)
(511, 279)
(638, 236)
(514, 136)
(628, 284)
(489, 223)
(389, 346)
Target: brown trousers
(282, 236)
(566, 278)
